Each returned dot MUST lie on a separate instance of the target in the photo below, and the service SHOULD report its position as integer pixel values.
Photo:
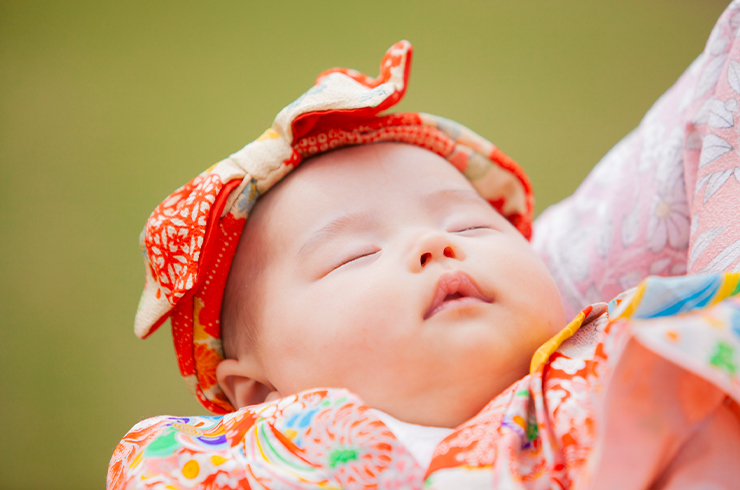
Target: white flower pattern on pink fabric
(669, 221)
(660, 190)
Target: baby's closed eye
(471, 229)
(356, 257)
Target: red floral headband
(190, 239)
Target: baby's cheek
(551, 305)
(542, 290)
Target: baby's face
(387, 274)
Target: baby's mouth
(454, 289)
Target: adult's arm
(666, 199)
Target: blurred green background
(106, 107)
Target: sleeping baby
(378, 319)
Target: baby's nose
(426, 256)
(431, 248)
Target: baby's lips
(452, 283)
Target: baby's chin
(442, 406)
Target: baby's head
(380, 269)
(393, 263)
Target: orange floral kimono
(639, 393)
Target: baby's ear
(236, 379)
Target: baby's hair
(239, 318)
(237, 328)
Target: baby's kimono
(639, 393)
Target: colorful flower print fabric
(664, 200)
(645, 383)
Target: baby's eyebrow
(337, 226)
(446, 195)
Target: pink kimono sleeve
(664, 200)
(711, 157)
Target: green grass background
(106, 107)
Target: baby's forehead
(361, 179)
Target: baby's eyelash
(352, 259)
(470, 228)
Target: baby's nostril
(424, 257)
(449, 252)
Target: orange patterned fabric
(190, 239)
(174, 235)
